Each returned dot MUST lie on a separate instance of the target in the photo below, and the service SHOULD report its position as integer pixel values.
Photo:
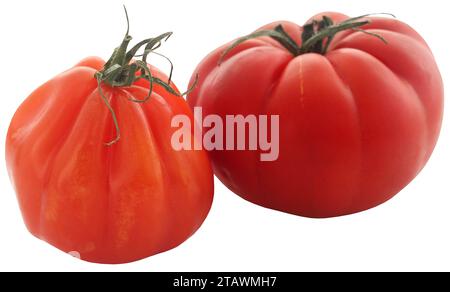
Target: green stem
(316, 36)
(309, 45)
(121, 71)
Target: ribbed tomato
(360, 104)
(113, 203)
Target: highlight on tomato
(89, 154)
(360, 105)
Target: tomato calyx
(122, 70)
(316, 36)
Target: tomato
(359, 118)
(115, 203)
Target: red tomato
(109, 204)
(357, 121)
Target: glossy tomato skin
(356, 125)
(116, 204)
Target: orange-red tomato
(357, 123)
(109, 204)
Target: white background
(409, 233)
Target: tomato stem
(318, 33)
(316, 36)
(122, 71)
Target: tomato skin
(116, 204)
(356, 125)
